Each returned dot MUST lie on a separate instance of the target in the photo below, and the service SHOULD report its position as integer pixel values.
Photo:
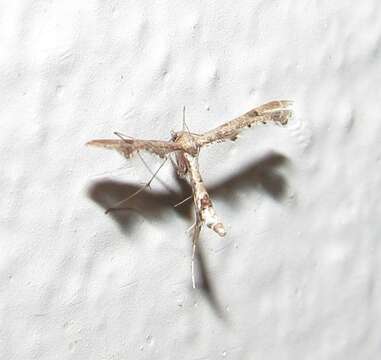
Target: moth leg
(192, 263)
(183, 201)
(195, 237)
(173, 162)
(190, 227)
(123, 137)
(148, 184)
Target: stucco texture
(298, 274)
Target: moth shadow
(147, 204)
(205, 284)
(262, 173)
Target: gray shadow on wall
(261, 174)
(147, 204)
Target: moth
(186, 147)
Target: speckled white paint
(296, 277)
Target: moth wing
(279, 112)
(128, 147)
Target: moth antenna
(185, 127)
(148, 184)
(184, 124)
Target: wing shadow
(147, 204)
(263, 173)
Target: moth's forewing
(274, 111)
(128, 147)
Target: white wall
(297, 276)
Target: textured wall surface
(298, 274)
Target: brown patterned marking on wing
(275, 111)
(205, 201)
(272, 106)
(128, 147)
